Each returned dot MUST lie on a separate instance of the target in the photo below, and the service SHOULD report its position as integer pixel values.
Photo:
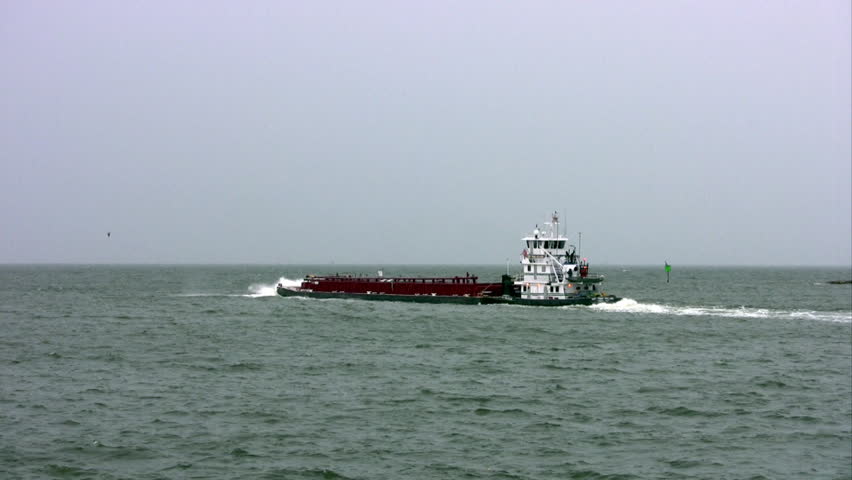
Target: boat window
(529, 243)
(529, 268)
(561, 244)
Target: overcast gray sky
(424, 132)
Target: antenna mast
(555, 220)
(580, 247)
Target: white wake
(628, 305)
(259, 290)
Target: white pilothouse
(552, 268)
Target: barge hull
(381, 297)
(460, 300)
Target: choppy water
(203, 372)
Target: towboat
(552, 274)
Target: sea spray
(259, 290)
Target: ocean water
(194, 372)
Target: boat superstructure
(551, 268)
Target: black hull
(579, 300)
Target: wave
(628, 305)
(259, 290)
(255, 290)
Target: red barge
(443, 286)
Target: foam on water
(256, 290)
(269, 290)
(628, 305)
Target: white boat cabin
(552, 269)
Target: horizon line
(383, 265)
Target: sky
(385, 132)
